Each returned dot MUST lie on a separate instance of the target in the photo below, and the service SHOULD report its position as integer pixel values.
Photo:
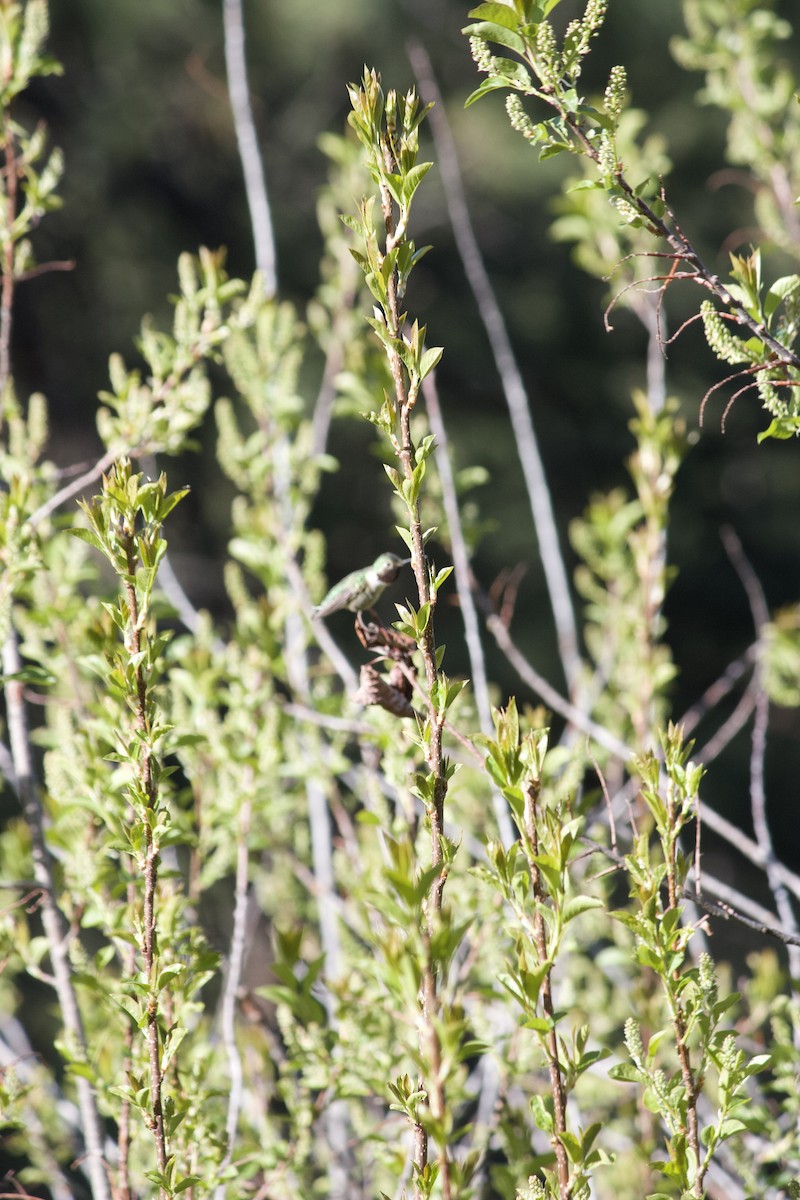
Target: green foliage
(547, 69)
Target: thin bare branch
(758, 798)
(52, 920)
(552, 698)
(507, 368)
(247, 141)
(736, 906)
(233, 978)
(729, 729)
(75, 488)
(718, 690)
(469, 613)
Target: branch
(553, 699)
(508, 370)
(758, 800)
(52, 919)
(233, 978)
(247, 141)
(73, 489)
(8, 280)
(540, 930)
(463, 575)
(151, 856)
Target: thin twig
(508, 370)
(233, 975)
(247, 141)
(732, 904)
(729, 729)
(737, 906)
(758, 799)
(540, 930)
(469, 613)
(52, 919)
(552, 698)
(7, 285)
(75, 488)
(149, 787)
(404, 401)
(718, 690)
(17, 1055)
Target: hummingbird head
(387, 567)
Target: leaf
(626, 1073)
(489, 31)
(429, 360)
(579, 904)
(779, 291)
(441, 576)
(501, 14)
(571, 1145)
(32, 675)
(413, 179)
(89, 536)
(492, 84)
(585, 185)
(731, 1127)
(782, 428)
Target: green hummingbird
(359, 590)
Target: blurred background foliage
(152, 169)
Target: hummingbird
(359, 590)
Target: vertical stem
(151, 860)
(7, 252)
(465, 591)
(758, 798)
(418, 559)
(122, 1191)
(540, 938)
(233, 977)
(678, 1016)
(249, 153)
(429, 1038)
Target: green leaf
(779, 291)
(32, 675)
(492, 83)
(540, 1113)
(501, 14)
(571, 1145)
(730, 1128)
(489, 31)
(429, 360)
(413, 179)
(441, 576)
(782, 428)
(576, 905)
(89, 536)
